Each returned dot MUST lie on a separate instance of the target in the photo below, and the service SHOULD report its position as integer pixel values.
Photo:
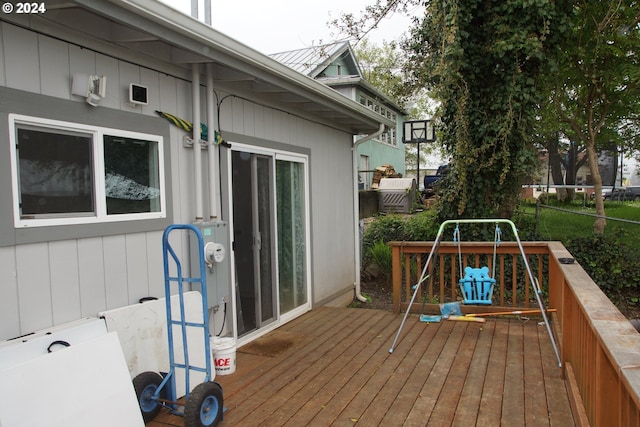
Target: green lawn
(560, 225)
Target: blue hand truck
(203, 405)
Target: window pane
(132, 177)
(291, 234)
(56, 172)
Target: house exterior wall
(331, 201)
(337, 68)
(54, 275)
(380, 153)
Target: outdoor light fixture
(91, 87)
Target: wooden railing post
(396, 265)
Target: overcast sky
(272, 26)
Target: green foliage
(482, 60)
(608, 262)
(389, 228)
(380, 255)
(380, 66)
(421, 226)
(385, 229)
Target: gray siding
(332, 238)
(52, 275)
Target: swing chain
(496, 243)
(457, 241)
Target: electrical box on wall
(218, 277)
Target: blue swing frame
(532, 279)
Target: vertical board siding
(81, 277)
(93, 297)
(81, 61)
(9, 310)
(51, 283)
(183, 179)
(110, 68)
(137, 267)
(115, 271)
(155, 264)
(65, 281)
(127, 73)
(151, 80)
(55, 76)
(22, 65)
(34, 287)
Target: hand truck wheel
(204, 405)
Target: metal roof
(311, 61)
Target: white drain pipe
(197, 154)
(212, 150)
(356, 206)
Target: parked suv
(624, 193)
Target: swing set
(476, 284)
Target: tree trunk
(600, 223)
(555, 163)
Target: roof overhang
(152, 34)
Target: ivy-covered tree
(483, 59)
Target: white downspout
(356, 206)
(212, 152)
(197, 151)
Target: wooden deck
(334, 369)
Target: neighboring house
(336, 66)
(615, 171)
(91, 175)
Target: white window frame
(389, 137)
(97, 133)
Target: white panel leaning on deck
(86, 384)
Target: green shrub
(610, 263)
(421, 227)
(386, 229)
(380, 255)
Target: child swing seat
(477, 286)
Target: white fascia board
(207, 42)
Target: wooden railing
(513, 285)
(599, 348)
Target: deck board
(490, 410)
(470, 396)
(340, 373)
(513, 402)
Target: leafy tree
(597, 88)
(382, 66)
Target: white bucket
(223, 351)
